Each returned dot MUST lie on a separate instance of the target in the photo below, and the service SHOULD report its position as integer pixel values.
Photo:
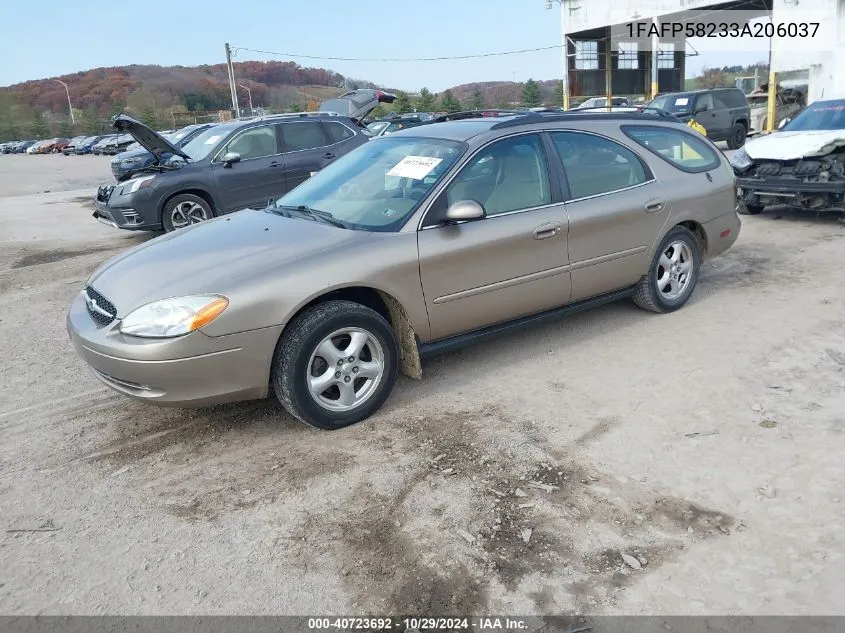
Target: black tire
(292, 362)
(750, 209)
(185, 200)
(648, 295)
(737, 136)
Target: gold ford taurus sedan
(415, 243)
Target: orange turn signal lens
(208, 313)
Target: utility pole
(564, 50)
(70, 107)
(232, 87)
(249, 92)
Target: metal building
(601, 60)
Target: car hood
(215, 257)
(794, 145)
(151, 140)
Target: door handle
(653, 206)
(545, 231)
(275, 164)
(328, 155)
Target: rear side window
(337, 132)
(299, 136)
(595, 165)
(732, 98)
(682, 149)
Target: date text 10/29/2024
(417, 624)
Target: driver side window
(253, 143)
(509, 175)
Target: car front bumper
(187, 371)
(786, 187)
(135, 212)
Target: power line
(397, 59)
(698, 14)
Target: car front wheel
(737, 137)
(335, 364)
(184, 210)
(673, 273)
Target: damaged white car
(802, 165)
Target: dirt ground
(705, 445)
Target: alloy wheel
(187, 213)
(345, 369)
(674, 270)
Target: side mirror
(229, 158)
(699, 109)
(464, 210)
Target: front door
(513, 262)
(616, 208)
(256, 177)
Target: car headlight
(741, 159)
(132, 161)
(137, 183)
(173, 317)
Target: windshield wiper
(316, 214)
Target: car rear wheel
(184, 210)
(673, 273)
(335, 364)
(737, 137)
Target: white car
(801, 165)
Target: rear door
(727, 110)
(512, 263)
(616, 207)
(257, 177)
(303, 144)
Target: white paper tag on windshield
(211, 140)
(681, 101)
(416, 167)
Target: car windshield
(133, 146)
(377, 126)
(822, 115)
(676, 104)
(206, 141)
(377, 186)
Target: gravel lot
(707, 444)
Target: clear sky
(44, 38)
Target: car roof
(469, 127)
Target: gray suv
(724, 112)
(233, 165)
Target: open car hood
(358, 103)
(149, 139)
(795, 145)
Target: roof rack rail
(293, 115)
(630, 109)
(474, 114)
(541, 117)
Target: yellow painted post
(655, 58)
(772, 109)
